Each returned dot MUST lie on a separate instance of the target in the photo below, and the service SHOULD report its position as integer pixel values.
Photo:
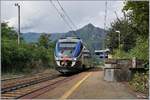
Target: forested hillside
(91, 35)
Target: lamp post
(16, 4)
(118, 39)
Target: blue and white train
(71, 55)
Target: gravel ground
(12, 75)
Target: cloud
(40, 16)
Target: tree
(138, 12)
(127, 37)
(25, 57)
(133, 25)
(140, 51)
(8, 32)
(44, 40)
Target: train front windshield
(66, 48)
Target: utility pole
(118, 32)
(16, 4)
(118, 39)
(105, 19)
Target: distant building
(102, 53)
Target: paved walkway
(89, 85)
(96, 88)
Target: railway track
(6, 85)
(11, 85)
(19, 77)
(23, 77)
(27, 88)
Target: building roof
(106, 50)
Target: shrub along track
(21, 88)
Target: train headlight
(73, 63)
(58, 63)
(62, 63)
(74, 59)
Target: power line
(66, 15)
(61, 15)
(69, 19)
(105, 17)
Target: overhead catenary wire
(105, 20)
(61, 15)
(66, 14)
(105, 17)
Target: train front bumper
(70, 66)
(67, 69)
(65, 61)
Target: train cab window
(66, 48)
(70, 49)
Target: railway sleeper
(12, 88)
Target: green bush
(140, 82)
(120, 54)
(140, 51)
(25, 57)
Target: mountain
(31, 36)
(92, 36)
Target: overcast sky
(41, 16)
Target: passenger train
(71, 55)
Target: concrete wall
(119, 69)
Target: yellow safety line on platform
(68, 93)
